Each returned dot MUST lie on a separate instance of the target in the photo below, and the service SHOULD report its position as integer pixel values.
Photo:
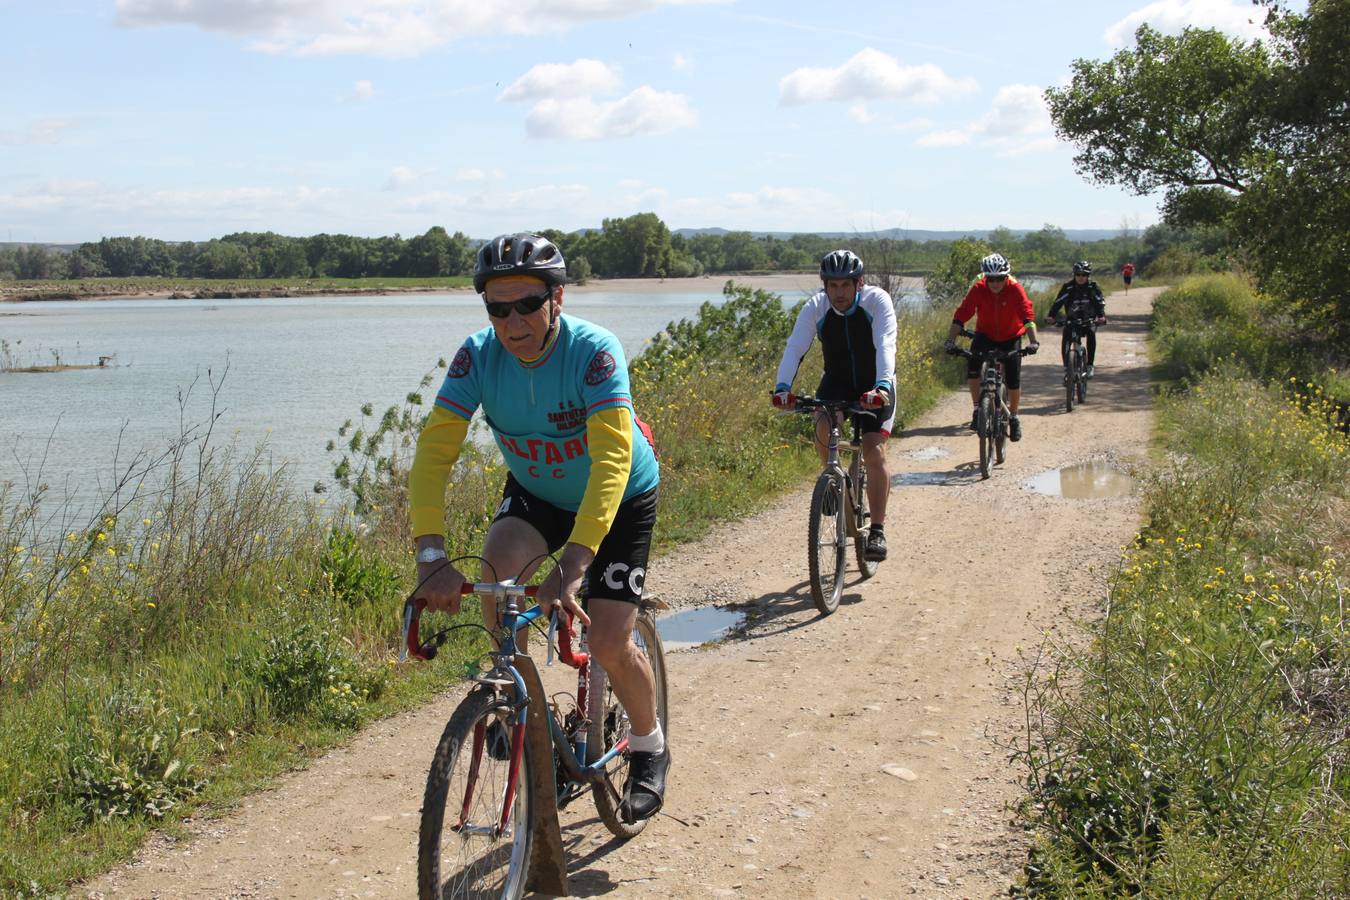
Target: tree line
(637, 246)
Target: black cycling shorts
(1012, 367)
(619, 570)
(880, 422)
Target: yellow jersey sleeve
(438, 447)
(609, 437)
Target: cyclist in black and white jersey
(1080, 300)
(855, 323)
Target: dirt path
(783, 740)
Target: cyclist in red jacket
(1127, 273)
(1003, 314)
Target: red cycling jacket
(999, 317)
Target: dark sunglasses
(524, 306)
(996, 278)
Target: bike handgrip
(412, 644)
(573, 658)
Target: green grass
(1195, 745)
(208, 628)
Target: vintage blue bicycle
(510, 757)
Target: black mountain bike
(991, 423)
(1075, 362)
(838, 507)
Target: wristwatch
(430, 555)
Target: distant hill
(920, 235)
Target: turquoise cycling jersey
(537, 411)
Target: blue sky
(190, 119)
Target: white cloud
(944, 139)
(1019, 110)
(562, 80)
(1018, 122)
(682, 63)
(390, 28)
(859, 113)
(362, 91)
(399, 177)
(644, 111)
(39, 131)
(870, 75)
(1238, 18)
(470, 174)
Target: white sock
(647, 743)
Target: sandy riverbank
(789, 284)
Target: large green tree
(1252, 136)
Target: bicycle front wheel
(611, 726)
(1082, 377)
(825, 543)
(1070, 381)
(463, 848)
(1001, 427)
(987, 426)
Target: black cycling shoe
(875, 551)
(1015, 428)
(975, 420)
(645, 791)
(497, 741)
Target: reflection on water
(682, 630)
(1085, 481)
(912, 479)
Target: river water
(290, 371)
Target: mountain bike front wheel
(1070, 381)
(1001, 427)
(464, 849)
(825, 536)
(1082, 376)
(611, 725)
(986, 428)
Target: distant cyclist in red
(1127, 273)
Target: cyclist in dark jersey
(1080, 300)
(583, 477)
(856, 326)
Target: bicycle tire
(986, 430)
(611, 727)
(474, 862)
(868, 567)
(1001, 427)
(1082, 377)
(1070, 379)
(826, 556)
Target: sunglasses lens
(524, 306)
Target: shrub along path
(858, 755)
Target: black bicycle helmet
(1082, 267)
(841, 264)
(519, 254)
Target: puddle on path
(692, 627)
(920, 479)
(928, 453)
(1085, 481)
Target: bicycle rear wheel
(986, 431)
(611, 726)
(462, 850)
(868, 567)
(825, 538)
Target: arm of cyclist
(783, 398)
(1098, 304)
(803, 333)
(438, 447)
(1028, 319)
(881, 309)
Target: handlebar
(805, 404)
(992, 356)
(413, 646)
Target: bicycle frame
(568, 751)
(852, 477)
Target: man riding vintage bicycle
(856, 326)
(1003, 314)
(582, 477)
